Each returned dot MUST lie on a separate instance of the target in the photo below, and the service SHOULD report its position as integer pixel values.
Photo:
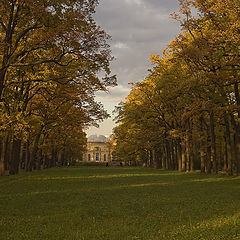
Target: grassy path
(98, 203)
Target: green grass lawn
(115, 203)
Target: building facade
(98, 149)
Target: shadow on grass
(121, 204)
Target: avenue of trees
(185, 115)
(51, 54)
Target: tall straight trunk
(144, 158)
(164, 159)
(208, 160)
(33, 155)
(237, 156)
(62, 158)
(179, 155)
(40, 166)
(55, 156)
(235, 149)
(183, 156)
(202, 157)
(220, 157)
(208, 163)
(43, 162)
(231, 147)
(187, 153)
(2, 156)
(35, 149)
(225, 156)
(148, 159)
(158, 157)
(213, 142)
(24, 155)
(202, 149)
(192, 160)
(237, 131)
(15, 157)
(7, 154)
(191, 147)
(28, 157)
(154, 158)
(188, 145)
(172, 157)
(168, 155)
(51, 162)
(47, 162)
(176, 155)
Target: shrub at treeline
(186, 114)
(50, 55)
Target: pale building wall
(98, 152)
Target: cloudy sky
(139, 28)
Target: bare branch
(3, 25)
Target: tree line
(51, 54)
(185, 115)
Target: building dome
(96, 138)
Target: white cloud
(120, 45)
(133, 2)
(114, 96)
(138, 28)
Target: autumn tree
(194, 89)
(51, 53)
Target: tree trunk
(158, 157)
(28, 157)
(219, 157)
(187, 153)
(172, 155)
(155, 156)
(7, 154)
(32, 159)
(225, 158)
(202, 157)
(2, 156)
(15, 157)
(202, 147)
(192, 161)
(179, 157)
(237, 131)
(168, 155)
(176, 155)
(34, 150)
(235, 151)
(164, 159)
(24, 155)
(183, 156)
(213, 143)
(208, 161)
(229, 144)
(62, 158)
(149, 158)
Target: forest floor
(118, 203)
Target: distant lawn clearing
(98, 203)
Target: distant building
(98, 149)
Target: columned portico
(98, 149)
